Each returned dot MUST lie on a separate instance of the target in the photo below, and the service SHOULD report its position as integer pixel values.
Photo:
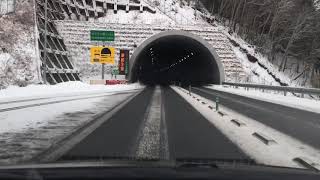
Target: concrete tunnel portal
(175, 56)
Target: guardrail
(284, 89)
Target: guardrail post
(302, 95)
(190, 90)
(217, 103)
(285, 93)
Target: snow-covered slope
(317, 4)
(259, 69)
(135, 17)
(18, 59)
(180, 11)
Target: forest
(286, 31)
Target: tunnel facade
(176, 57)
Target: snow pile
(291, 101)
(72, 88)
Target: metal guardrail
(285, 89)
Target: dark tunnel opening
(176, 57)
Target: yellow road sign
(103, 55)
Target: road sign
(115, 71)
(124, 62)
(96, 35)
(103, 55)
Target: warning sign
(103, 55)
(124, 62)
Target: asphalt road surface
(117, 137)
(188, 133)
(300, 124)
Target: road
(300, 124)
(117, 137)
(185, 132)
(191, 135)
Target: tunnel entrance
(176, 56)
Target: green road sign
(96, 35)
(115, 71)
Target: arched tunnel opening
(176, 57)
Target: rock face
(18, 53)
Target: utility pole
(45, 42)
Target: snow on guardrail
(285, 89)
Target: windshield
(227, 81)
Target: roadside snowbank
(66, 88)
(26, 132)
(280, 153)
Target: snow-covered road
(281, 152)
(38, 116)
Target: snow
(256, 73)
(263, 76)
(36, 129)
(178, 11)
(251, 68)
(317, 4)
(290, 101)
(135, 17)
(62, 89)
(280, 153)
(6, 6)
(18, 47)
(13, 121)
(169, 13)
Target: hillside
(261, 44)
(286, 33)
(18, 59)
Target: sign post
(102, 76)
